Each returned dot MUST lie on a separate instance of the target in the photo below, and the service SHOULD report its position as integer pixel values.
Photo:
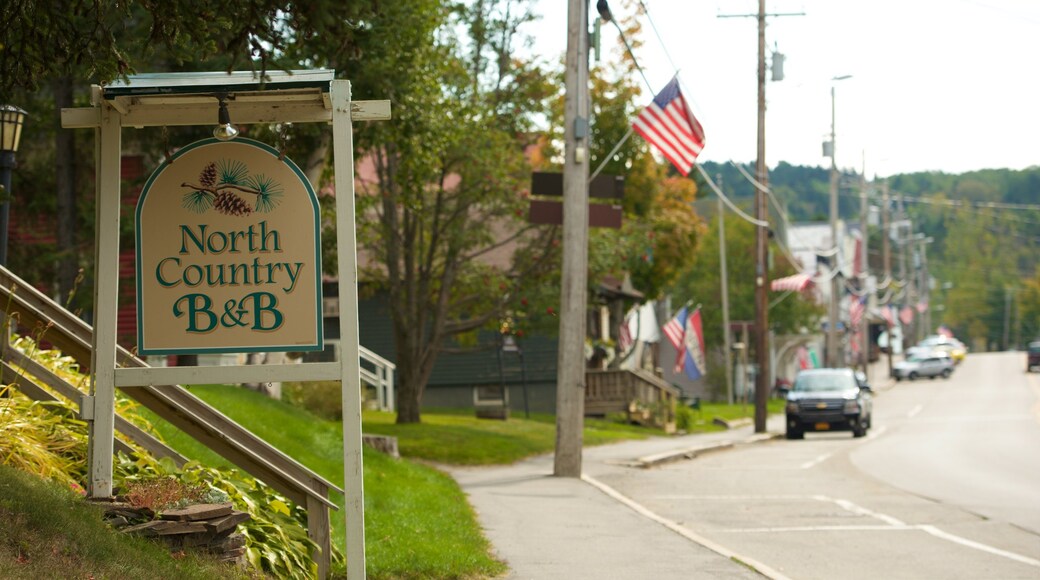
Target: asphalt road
(972, 441)
(947, 485)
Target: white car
(931, 365)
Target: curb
(648, 461)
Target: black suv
(828, 400)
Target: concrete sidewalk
(547, 527)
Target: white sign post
(192, 99)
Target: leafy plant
(164, 493)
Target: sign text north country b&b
(228, 253)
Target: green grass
(418, 523)
(50, 532)
(417, 520)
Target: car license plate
(823, 426)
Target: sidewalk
(547, 527)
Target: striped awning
(796, 283)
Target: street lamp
(833, 358)
(11, 120)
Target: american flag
(906, 315)
(668, 124)
(624, 335)
(886, 313)
(675, 329)
(857, 305)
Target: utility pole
(926, 289)
(886, 258)
(761, 240)
(864, 329)
(903, 240)
(570, 381)
(762, 386)
(726, 340)
(834, 357)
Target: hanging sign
(228, 253)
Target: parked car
(1033, 356)
(940, 343)
(935, 364)
(828, 400)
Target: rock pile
(203, 527)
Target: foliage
(417, 521)
(44, 439)
(445, 196)
(701, 283)
(106, 40)
(47, 439)
(49, 532)
(163, 493)
(276, 533)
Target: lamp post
(833, 358)
(11, 120)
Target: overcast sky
(936, 85)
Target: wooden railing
(643, 396)
(177, 406)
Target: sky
(936, 85)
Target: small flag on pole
(857, 305)
(625, 334)
(686, 334)
(668, 124)
(886, 313)
(675, 329)
(906, 315)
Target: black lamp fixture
(224, 131)
(11, 121)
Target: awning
(795, 283)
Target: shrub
(321, 398)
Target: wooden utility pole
(864, 328)
(726, 333)
(886, 258)
(761, 240)
(762, 350)
(570, 374)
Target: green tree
(450, 253)
(701, 283)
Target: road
(947, 485)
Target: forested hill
(804, 190)
(982, 230)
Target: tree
(450, 174)
(701, 283)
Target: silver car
(931, 365)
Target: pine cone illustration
(208, 177)
(230, 204)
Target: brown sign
(602, 186)
(601, 215)
(228, 253)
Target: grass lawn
(50, 532)
(417, 520)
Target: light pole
(833, 358)
(11, 120)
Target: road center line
(817, 461)
(682, 531)
(913, 412)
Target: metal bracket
(86, 408)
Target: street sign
(601, 187)
(601, 215)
